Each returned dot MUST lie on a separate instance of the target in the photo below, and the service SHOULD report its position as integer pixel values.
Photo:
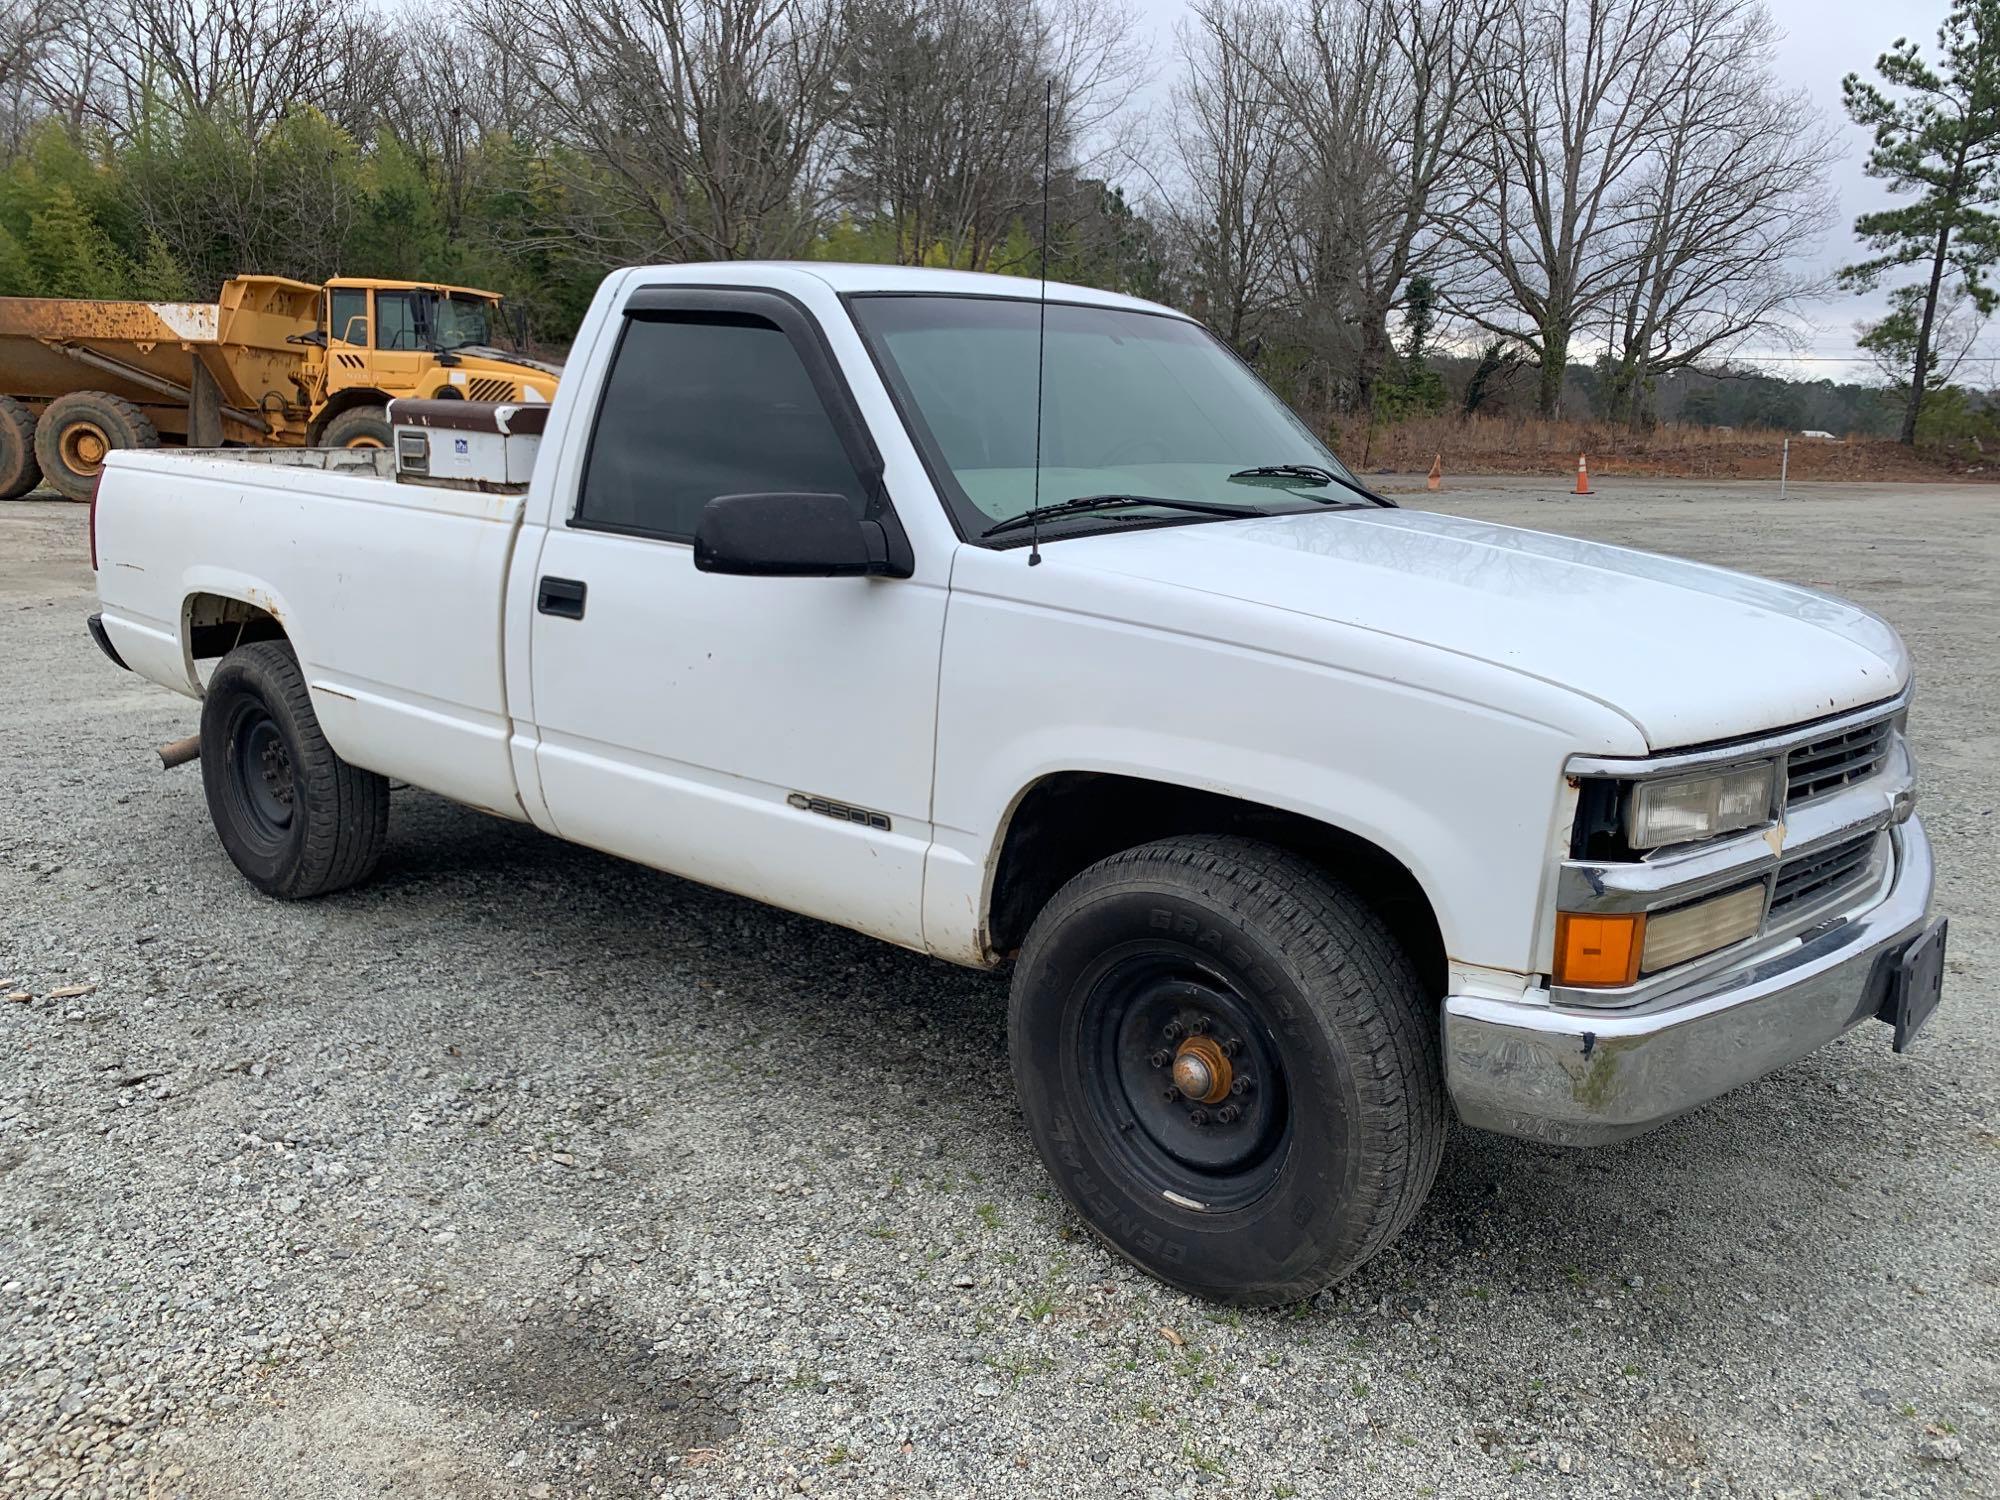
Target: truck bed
(391, 594)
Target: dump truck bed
(207, 371)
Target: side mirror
(790, 536)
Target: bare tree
(248, 61)
(1569, 110)
(1235, 161)
(943, 120)
(1732, 198)
(1378, 93)
(704, 123)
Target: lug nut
(1232, 1047)
(1161, 1058)
(1173, 1094)
(1197, 1117)
(1229, 1114)
(1173, 1031)
(1198, 1025)
(1239, 1086)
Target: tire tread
(347, 808)
(1346, 959)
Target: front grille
(1819, 767)
(489, 388)
(1816, 877)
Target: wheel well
(1067, 822)
(338, 404)
(214, 625)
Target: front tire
(359, 427)
(1306, 1117)
(296, 819)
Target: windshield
(432, 320)
(1133, 404)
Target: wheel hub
(1202, 1071)
(83, 446)
(1186, 1078)
(276, 768)
(265, 774)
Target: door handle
(562, 597)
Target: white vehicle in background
(1303, 819)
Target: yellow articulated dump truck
(272, 362)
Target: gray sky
(1823, 40)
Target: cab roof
(846, 278)
(391, 284)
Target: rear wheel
(358, 427)
(1229, 1067)
(78, 430)
(20, 470)
(297, 819)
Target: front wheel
(358, 427)
(1229, 1067)
(296, 819)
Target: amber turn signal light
(1599, 948)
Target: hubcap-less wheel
(1184, 1078)
(262, 778)
(83, 446)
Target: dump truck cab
(384, 340)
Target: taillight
(96, 483)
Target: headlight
(1699, 807)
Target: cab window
(348, 319)
(701, 405)
(402, 321)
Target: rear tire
(20, 470)
(78, 430)
(358, 427)
(296, 819)
(1319, 1118)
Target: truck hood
(1689, 653)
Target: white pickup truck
(1304, 820)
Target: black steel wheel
(296, 819)
(1185, 1077)
(260, 784)
(1229, 1067)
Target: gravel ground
(523, 1172)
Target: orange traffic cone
(1436, 479)
(1582, 475)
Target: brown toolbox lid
(509, 418)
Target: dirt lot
(526, 1173)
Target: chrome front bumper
(1584, 1077)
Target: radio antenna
(1041, 325)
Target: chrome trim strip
(1672, 876)
(1652, 766)
(1863, 893)
(1584, 1077)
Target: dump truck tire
(358, 427)
(79, 429)
(20, 470)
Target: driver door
(771, 736)
(402, 339)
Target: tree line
(1341, 188)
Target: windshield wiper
(1113, 502)
(1312, 473)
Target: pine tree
(69, 252)
(1938, 137)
